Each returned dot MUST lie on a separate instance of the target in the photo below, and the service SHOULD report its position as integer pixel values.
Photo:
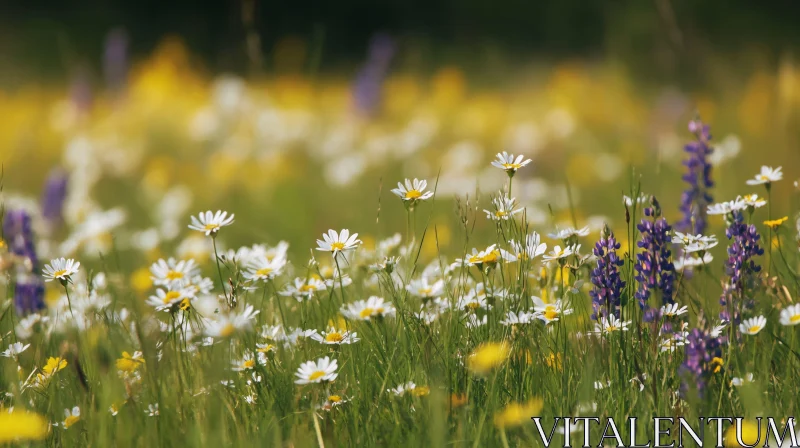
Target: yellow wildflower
(488, 356)
(20, 424)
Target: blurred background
(300, 116)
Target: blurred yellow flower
(128, 363)
(488, 356)
(19, 425)
(140, 280)
(516, 414)
(750, 434)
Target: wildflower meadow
(214, 261)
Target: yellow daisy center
(211, 227)
(185, 304)
(266, 349)
(754, 329)
(795, 318)
(611, 328)
(248, 364)
(59, 273)
(491, 257)
(171, 296)
(512, 166)
(550, 312)
(421, 391)
(263, 272)
(473, 305)
(500, 213)
(334, 337)
(413, 194)
(762, 177)
(425, 291)
(71, 420)
(316, 375)
(227, 330)
(174, 275)
(366, 312)
(307, 288)
(337, 246)
(334, 398)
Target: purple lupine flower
(18, 232)
(29, 289)
(369, 80)
(703, 358)
(115, 59)
(55, 191)
(605, 277)
(697, 197)
(29, 294)
(654, 270)
(740, 267)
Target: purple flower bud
(605, 277)
(29, 294)
(55, 191)
(654, 270)
(740, 268)
(696, 197)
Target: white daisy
(338, 242)
(164, 299)
(550, 312)
(723, 208)
(335, 337)
(374, 307)
(504, 209)
(210, 223)
(752, 200)
(413, 191)
(421, 288)
(71, 416)
(225, 325)
(509, 163)
(60, 269)
(152, 410)
(303, 289)
(489, 256)
(766, 176)
(558, 253)
(15, 349)
(673, 310)
(264, 269)
(690, 262)
(790, 315)
(671, 343)
(569, 232)
(532, 249)
(323, 370)
(753, 325)
(248, 362)
(521, 318)
(717, 330)
(739, 382)
(173, 273)
(610, 324)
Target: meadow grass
(475, 382)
